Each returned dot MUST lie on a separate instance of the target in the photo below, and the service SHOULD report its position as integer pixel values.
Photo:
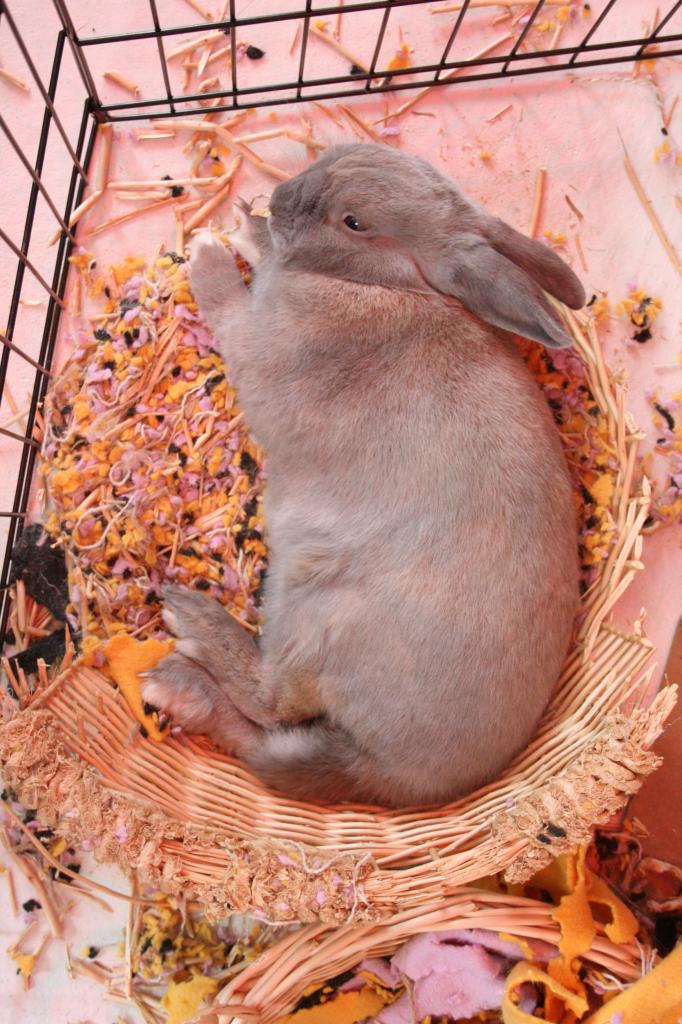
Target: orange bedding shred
(149, 474)
(126, 659)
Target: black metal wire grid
(587, 53)
(517, 62)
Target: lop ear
(502, 276)
(538, 261)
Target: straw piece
(574, 208)
(125, 83)
(137, 197)
(148, 136)
(18, 417)
(214, 202)
(187, 68)
(77, 296)
(222, 131)
(77, 214)
(196, 6)
(193, 204)
(91, 970)
(337, 22)
(667, 118)
(43, 695)
(106, 132)
(73, 887)
(62, 868)
(194, 44)
(208, 84)
(16, 679)
(651, 214)
(418, 97)
(214, 55)
(11, 400)
(357, 120)
(14, 80)
(179, 232)
(500, 113)
(32, 924)
(203, 60)
(294, 41)
(31, 872)
(581, 254)
(267, 133)
(159, 183)
(339, 47)
(329, 114)
(538, 197)
(556, 36)
(129, 216)
(307, 138)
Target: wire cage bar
(512, 58)
(516, 62)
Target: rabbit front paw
(214, 276)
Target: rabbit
(423, 569)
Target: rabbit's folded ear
(502, 276)
(538, 261)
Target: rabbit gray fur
(423, 575)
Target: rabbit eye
(352, 222)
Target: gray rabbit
(423, 575)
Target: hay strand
(12, 79)
(215, 201)
(651, 213)
(419, 96)
(334, 43)
(123, 82)
(538, 197)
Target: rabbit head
(377, 216)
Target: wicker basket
(271, 986)
(190, 820)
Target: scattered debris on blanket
(665, 462)
(169, 961)
(641, 311)
(599, 306)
